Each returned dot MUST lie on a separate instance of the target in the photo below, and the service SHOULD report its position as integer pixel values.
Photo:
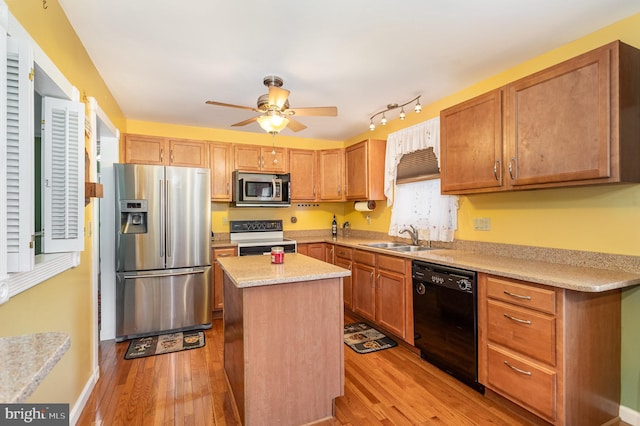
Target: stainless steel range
(258, 236)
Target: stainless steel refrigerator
(163, 249)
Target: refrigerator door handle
(168, 225)
(162, 213)
(162, 275)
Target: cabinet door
(346, 282)
(559, 122)
(471, 145)
(302, 166)
(247, 158)
(356, 171)
(188, 153)
(329, 250)
(331, 175)
(217, 295)
(274, 160)
(390, 302)
(145, 150)
(364, 291)
(316, 250)
(220, 164)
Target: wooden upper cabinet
(154, 150)
(561, 123)
(256, 158)
(471, 144)
(317, 175)
(575, 123)
(364, 170)
(188, 153)
(330, 186)
(145, 150)
(302, 166)
(220, 163)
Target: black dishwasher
(446, 320)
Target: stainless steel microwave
(261, 189)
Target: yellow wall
(63, 303)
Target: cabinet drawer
(364, 257)
(224, 252)
(391, 263)
(541, 299)
(524, 330)
(531, 385)
(344, 252)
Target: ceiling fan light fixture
(272, 122)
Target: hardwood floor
(390, 387)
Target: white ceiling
(162, 59)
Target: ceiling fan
(274, 109)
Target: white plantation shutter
(63, 175)
(20, 167)
(4, 288)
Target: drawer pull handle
(517, 296)
(517, 319)
(528, 373)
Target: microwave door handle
(273, 190)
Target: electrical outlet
(368, 220)
(481, 224)
(225, 220)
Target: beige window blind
(418, 165)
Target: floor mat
(364, 339)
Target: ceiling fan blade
(231, 105)
(317, 111)
(295, 125)
(245, 122)
(278, 96)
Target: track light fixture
(390, 107)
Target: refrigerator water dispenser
(133, 216)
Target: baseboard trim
(629, 416)
(74, 415)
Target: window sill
(46, 266)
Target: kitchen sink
(385, 245)
(410, 248)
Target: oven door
(264, 248)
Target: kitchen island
(283, 338)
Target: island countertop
(253, 271)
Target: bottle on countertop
(334, 228)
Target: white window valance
(418, 203)
(421, 136)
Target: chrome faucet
(413, 232)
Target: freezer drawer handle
(133, 277)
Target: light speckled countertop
(554, 267)
(26, 361)
(254, 271)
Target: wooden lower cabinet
(343, 258)
(217, 295)
(378, 290)
(553, 351)
(315, 250)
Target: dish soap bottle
(334, 228)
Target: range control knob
(464, 284)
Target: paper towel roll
(364, 206)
